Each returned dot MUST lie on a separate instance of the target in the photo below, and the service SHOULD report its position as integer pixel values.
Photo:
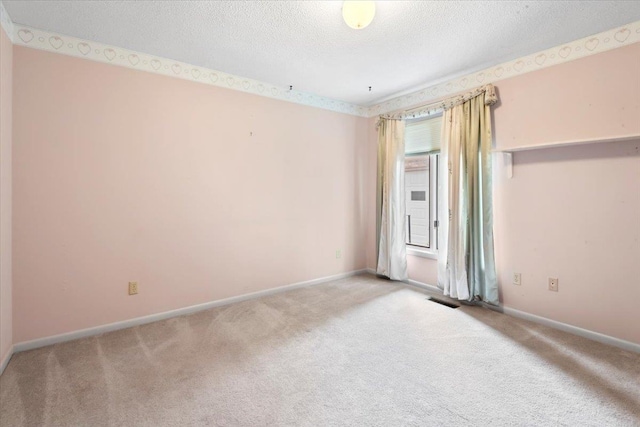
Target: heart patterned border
(72, 46)
(52, 42)
(587, 46)
(5, 22)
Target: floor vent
(445, 303)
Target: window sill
(422, 252)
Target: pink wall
(121, 175)
(594, 97)
(569, 212)
(196, 192)
(6, 84)
(573, 213)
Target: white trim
(507, 163)
(4, 362)
(108, 54)
(558, 144)
(7, 24)
(587, 46)
(97, 330)
(585, 333)
(415, 284)
(69, 336)
(424, 287)
(423, 253)
(507, 153)
(592, 335)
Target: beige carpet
(359, 352)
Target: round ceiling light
(358, 14)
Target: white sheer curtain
(391, 225)
(466, 264)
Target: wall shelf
(507, 153)
(570, 143)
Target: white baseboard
(419, 285)
(429, 288)
(595, 336)
(97, 330)
(5, 360)
(69, 336)
(414, 283)
(586, 333)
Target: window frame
(430, 251)
(430, 202)
(434, 160)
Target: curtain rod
(445, 104)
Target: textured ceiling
(306, 43)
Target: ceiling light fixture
(358, 14)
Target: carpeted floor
(354, 352)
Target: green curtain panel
(466, 261)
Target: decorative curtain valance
(488, 90)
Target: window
(422, 145)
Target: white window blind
(422, 135)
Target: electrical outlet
(133, 288)
(338, 254)
(517, 279)
(553, 284)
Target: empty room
(319, 213)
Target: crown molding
(5, 22)
(85, 49)
(587, 46)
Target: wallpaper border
(587, 46)
(5, 22)
(85, 49)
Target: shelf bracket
(507, 164)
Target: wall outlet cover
(517, 279)
(553, 284)
(133, 288)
